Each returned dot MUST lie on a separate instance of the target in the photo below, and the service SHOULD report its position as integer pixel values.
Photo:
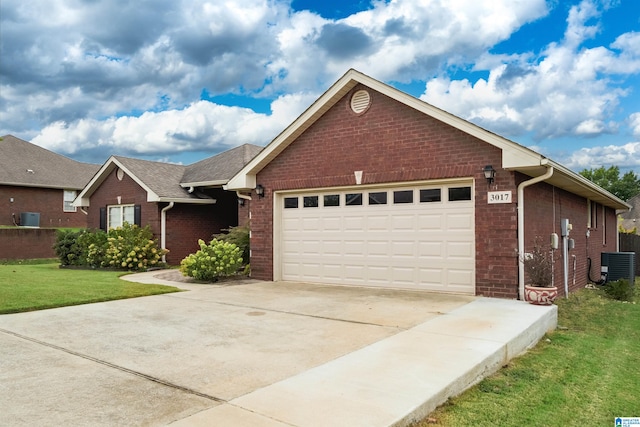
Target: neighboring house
(180, 203)
(37, 186)
(373, 187)
(631, 219)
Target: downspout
(163, 228)
(521, 188)
(82, 209)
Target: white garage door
(419, 237)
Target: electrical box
(565, 227)
(619, 265)
(30, 219)
(554, 240)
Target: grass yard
(32, 285)
(585, 373)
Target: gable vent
(360, 101)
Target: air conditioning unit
(30, 219)
(619, 265)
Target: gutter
(163, 228)
(242, 196)
(521, 188)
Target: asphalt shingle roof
(221, 167)
(25, 164)
(161, 178)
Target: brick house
(373, 187)
(631, 220)
(37, 186)
(180, 203)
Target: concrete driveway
(236, 354)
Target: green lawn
(585, 373)
(30, 285)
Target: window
(290, 202)
(459, 193)
(430, 195)
(332, 200)
(404, 196)
(118, 215)
(310, 201)
(353, 199)
(69, 197)
(379, 198)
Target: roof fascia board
(591, 187)
(187, 201)
(84, 197)
(54, 187)
(216, 183)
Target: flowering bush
(217, 259)
(125, 248)
(130, 248)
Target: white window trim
(67, 205)
(122, 219)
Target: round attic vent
(360, 101)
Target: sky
(182, 80)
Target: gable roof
(515, 157)
(27, 165)
(164, 182)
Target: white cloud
(565, 91)
(623, 156)
(201, 126)
(634, 121)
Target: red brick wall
(46, 201)
(389, 143)
(545, 207)
(130, 193)
(186, 223)
(27, 243)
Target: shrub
(130, 248)
(96, 245)
(538, 263)
(67, 247)
(620, 290)
(217, 259)
(239, 236)
(124, 248)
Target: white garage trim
(423, 243)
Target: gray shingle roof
(25, 164)
(171, 182)
(161, 178)
(221, 167)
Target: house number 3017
(499, 197)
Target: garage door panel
(431, 249)
(408, 245)
(460, 250)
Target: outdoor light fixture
(489, 173)
(260, 190)
(240, 202)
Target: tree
(609, 179)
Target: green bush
(217, 259)
(620, 290)
(94, 245)
(239, 236)
(131, 248)
(67, 247)
(124, 248)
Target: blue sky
(181, 80)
